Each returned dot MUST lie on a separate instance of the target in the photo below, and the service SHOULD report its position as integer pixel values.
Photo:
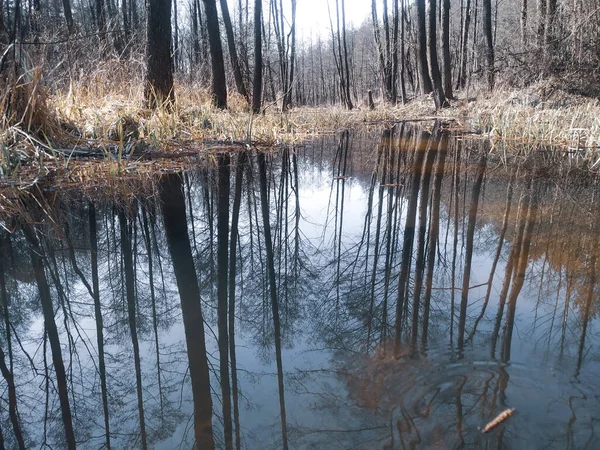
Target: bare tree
(159, 71)
(219, 84)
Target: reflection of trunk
(409, 233)
(469, 250)
(512, 257)
(52, 331)
(235, 214)
(222, 272)
(339, 213)
(518, 278)
(7, 371)
(389, 236)
(12, 400)
(386, 135)
(175, 223)
(264, 200)
(589, 298)
(460, 413)
(496, 257)
(455, 238)
(434, 226)
(153, 301)
(98, 317)
(131, 315)
(420, 259)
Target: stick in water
(498, 420)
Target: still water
(386, 289)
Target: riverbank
(101, 121)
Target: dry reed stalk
(498, 420)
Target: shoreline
(111, 129)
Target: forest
(96, 69)
(221, 228)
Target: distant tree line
(403, 50)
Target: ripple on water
(443, 400)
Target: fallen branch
(498, 420)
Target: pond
(390, 289)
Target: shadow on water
(389, 289)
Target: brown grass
(104, 109)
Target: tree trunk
(175, 61)
(219, 85)
(524, 23)
(434, 67)
(235, 64)
(68, 15)
(487, 31)
(462, 74)
(258, 62)
(447, 76)
(159, 72)
(426, 85)
(101, 19)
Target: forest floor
(90, 130)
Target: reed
(104, 109)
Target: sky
(312, 16)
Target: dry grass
(104, 110)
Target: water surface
(414, 288)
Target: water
(422, 287)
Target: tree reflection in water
(395, 288)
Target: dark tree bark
(489, 51)
(101, 19)
(462, 74)
(346, 86)
(549, 34)
(434, 68)
(175, 222)
(159, 72)
(426, 85)
(196, 55)
(447, 61)
(219, 84)
(126, 25)
(258, 62)
(387, 49)
(523, 23)
(68, 15)
(235, 64)
(288, 95)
